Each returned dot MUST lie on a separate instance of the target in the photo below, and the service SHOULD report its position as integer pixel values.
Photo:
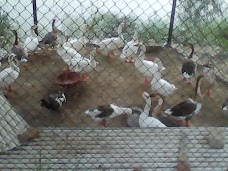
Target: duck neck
(191, 54)
(157, 109)
(135, 37)
(119, 31)
(16, 38)
(157, 76)
(33, 33)
(82, 39)
(140, 58)
(53, 25)
(147, 106)
(92, 59)
(197, 88)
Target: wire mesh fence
(114, 65)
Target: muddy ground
(114, 81)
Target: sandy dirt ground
(113, 81)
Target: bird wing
(188, 67)
(46, 37)
(184, 108)
(106, 111)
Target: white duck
(79, 44)
(84, 66)
(188, 68)
(105, 113)
(110, 45)
(144, 119)
(10, 74)
(161, 86)
(31, 42)
(147, 68)
(66, 53)
(129, 51)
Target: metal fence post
(35, 15)
(171, 24)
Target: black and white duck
(51, 37)
(168, 120)
(105, 113)
(54, 101)
(187, 108)
(19, 51)
(189, 67)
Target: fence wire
(81, 81)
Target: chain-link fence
(92, 75)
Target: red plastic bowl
(67, 79)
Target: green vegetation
(210, 33)
(5, 33)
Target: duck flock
(74, 51)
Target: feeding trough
(67, 79)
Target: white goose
(10, 74)
(66, 53)
(108, 46)
(129, 51)
(84, 66)
(162, 86)
(144, 119)
(147, 68)
(31, 42)
(79, 44)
